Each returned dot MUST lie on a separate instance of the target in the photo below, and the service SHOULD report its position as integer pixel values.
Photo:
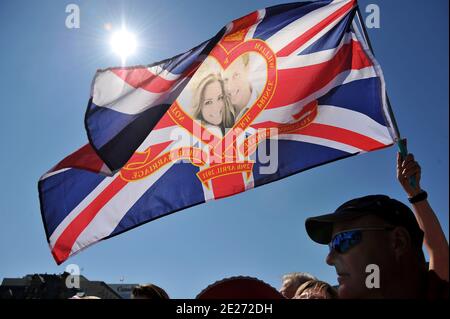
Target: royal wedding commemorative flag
(274, 93)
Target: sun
(123, 43)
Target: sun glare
(123, 43)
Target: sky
(47, 71)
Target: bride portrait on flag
(219, 97)
(212, 105)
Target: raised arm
(435, 241)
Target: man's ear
(400, 241)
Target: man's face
(288, 289)
(350, 266)
(237, 84)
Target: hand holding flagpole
(403, 159)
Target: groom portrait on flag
(239, 87)
(237, 90)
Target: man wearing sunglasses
(376, 230)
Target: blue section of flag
(181, 63)
(62, 192)
(105, 123)
(362, 96)
(332, 38)
(277, 17)
(122, 131)
(294, 157)
(178, 188)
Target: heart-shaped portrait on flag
(225, 95)
(217, 97)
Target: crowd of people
(375, 231)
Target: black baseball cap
(394, 212)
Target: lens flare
(123, 43)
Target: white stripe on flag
(51, 173)
(320, 141)
(115, 209)
(353, 121)
(114, 93)
(298, 27)
(299, 61)
(317, 36)
(283, 114)
(163, 73)
(80, 207)
(251, 31)
(159, 136)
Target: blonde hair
(298, 278)
(319, 290)
(199, 98)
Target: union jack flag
(177, 133)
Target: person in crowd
(315, 289)
(149, 291)
(292, 281)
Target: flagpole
(401, 143)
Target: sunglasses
(344, 241)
